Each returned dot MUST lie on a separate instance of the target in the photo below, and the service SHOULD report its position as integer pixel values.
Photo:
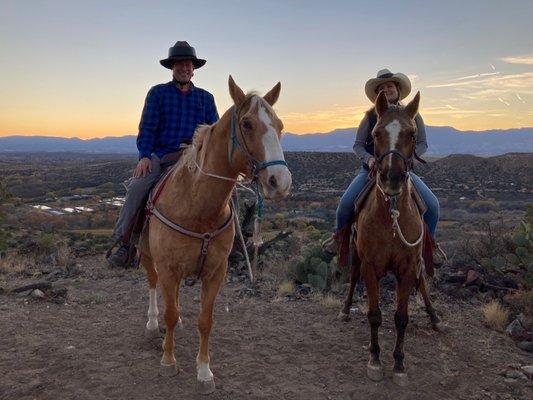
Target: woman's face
(391, 91)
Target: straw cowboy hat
(182, 51)
(383, 76)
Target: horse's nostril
(272, 181)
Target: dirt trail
(93, 347)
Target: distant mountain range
(442, 141)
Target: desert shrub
(327, 300)
(285, 288)
(484, 206)
(496, 316)
(316, 269)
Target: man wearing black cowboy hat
(171, 113)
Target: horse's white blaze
(273, 152)
(393, 128)
(204, 373)
(153, 311)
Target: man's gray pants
(137, 190)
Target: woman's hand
(371, 162)
(143, 167)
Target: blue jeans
(345, 210)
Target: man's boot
(121, 257)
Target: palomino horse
(390, 231)
(193, 231)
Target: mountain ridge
(442, 141)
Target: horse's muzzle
(276, 181)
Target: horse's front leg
(169, 283)
(374, 370)
(433, 317)
(210, 289)
(401, 319)
(344, 314)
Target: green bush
(314, 268)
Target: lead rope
(235, 201)
(395, 214)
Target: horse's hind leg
(435, 320)
(374, 370)
(210, 289)
(401, 319)
(152, 326)
(344, 314)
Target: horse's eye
(247, 125)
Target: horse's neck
(193, 196)
(405, 202)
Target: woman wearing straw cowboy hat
(396, 87)
(171, 113)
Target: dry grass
(326, 300)
(496, 316)
(285, 288)
(15, 264)
(63, 255)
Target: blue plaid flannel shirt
(170, 117)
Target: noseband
(255, 164)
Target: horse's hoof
(205, 387)
(343, 316)
(400, 378)
(374, 372)
(168, 370)
(180, 323)
(152, 333)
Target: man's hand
(371, 162)
(143, 167)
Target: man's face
(183, 71)
(391, 91)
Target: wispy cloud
(492, 86)
(476, 76)
(520, 98)
(525, 59)
(503, 101)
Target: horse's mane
(188, 158)
(191, 152)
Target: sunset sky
(82, 68)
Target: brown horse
(195, 201)
(389, 231)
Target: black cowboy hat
(182, 51)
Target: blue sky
(73, 68)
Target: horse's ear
(412, 107)
(235, 92)
(272, 96)
(382, 104)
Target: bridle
(393, 200)
(255, 165)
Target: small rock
(527, 346)
(516, 330)
(472, 277)
(37, 294)
(528, 370)
(513, 374)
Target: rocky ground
(87, 342)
